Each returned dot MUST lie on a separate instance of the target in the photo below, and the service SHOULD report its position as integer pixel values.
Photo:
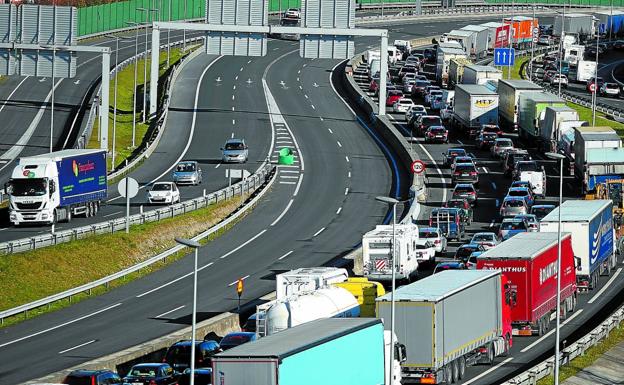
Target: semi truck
(523, 28)
(590, 223)
(328, 351)
(479, 40)
(465, 38)
(56, 186)
(531, 106)
(585, 70)
(445, 328)
(498, 34)
(509, 91)
(529, 261)
(365, 292)
(445, 54)
(473, 106)
(580, 24)
(613, 20)
(479, 74)
(456, 71)
(597, 156)
(557, 121)
(377, 252)
(307, 279)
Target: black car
(426, 121)
(151, 373)
(465, 173)
(203, 376)
(179, 354)
(463, 252)
(486, 140)
(511, 158)
(92, 377)
(451, 154)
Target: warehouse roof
(438, 286)
(576, 210)
(522, 246)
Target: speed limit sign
(592, 87)
(418, 167)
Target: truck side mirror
(514, 298)
(577, 262)
(52, 187)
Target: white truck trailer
(377, 252)
(307, 279)
(480, 74)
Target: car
(522, 192)
(418, 89)
(446, 113)
(521, 183)
(163, 193)
(408, 77)
(463, 252)
(425, 121)
(232, 340)
(511, 158)
(512, 206)
(486, 140)
(293, 13)
(187, 172)
(425, 251)
(531, 220)
(438, 103)
(393, 97)
(443, 266)
(152, 374)
(540, 211)
(413, 59)
(557, 79)
(548, 75)
(234, 151)
(610, 89)
(401, 105)
(413, 113)
(589, 85)
(465, 173)
(436, 134)
(618, 44)
(434, 236)
(389, 87)
(432, 94)
(491, 128)
(510, 227)
(471, 263)
(451, 153)
(407, 86)
(464, 206)
(500, 147)
(525, 166)
(407, 69)
(545, 40)
(486, 239)
(430, 88)
(92, 377)
(203, 376)
(178, 355)
(467, 191)
(374, 84)
(461, 159)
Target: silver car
(187, 172)
(235, 151)
(433, 235)
(531, 220)
(485, 239)
(513, 206)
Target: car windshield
(436, 93)
(447, 266)
(464, 251)
(457, 152)
(463, 189)
(144, 371)
(422, 83)
(235, 146)
(612, 86)
(514, 203)
(483, 237)
(427, 234)
(408, 69)
(515, 225)
(438, 130)
(527, 166)
(29, 187)
(405, 101)
(185, 167)
(543, 211)
(161, 187)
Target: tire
(88, 210)
(69, 214)
(96, 208)
(490, 354)
(507, 347)
(448, 374)
(540, 327)
(455, 370)
(462, 367)
(564, 310)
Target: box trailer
(444, 328)
(585, 70)
(445, 54)
(524, 29)
(509, 92)
(552, 127)
(473, 106)
(529, 261)
(613, 21)
(498, 34)
(531, 106)
(479, 74)
(465, 38)
(587, 138)
(479, 39)
(590, 223)
(307, 279)
(581, 24)
(377, 252)
(456, 71)
(329, 351)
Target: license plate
(464, 174)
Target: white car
(415, 109)
(556, 79)
(163, 193)
(610, 89)
(435, 236)
(432, 95)
(486, 239)
(425, 251)
(407, 86)
(446, 113)
(403, 105)
(407, 77)
(293, 13)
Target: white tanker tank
(300, 308)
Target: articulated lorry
(456, 71)
(557, 122)
(479, 40)
(531, 106)
(445, 54)
(613, 20)
(590, 223)
(56, 186)
(377, 249)
(474, 105)
(580, 24)
(498, 34)
(307, 279)
(449, 321)
(529, 261)
(478, 74)
(510, 91)
(598, 156)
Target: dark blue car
(179, 354)
(151, 373)
(232, 340)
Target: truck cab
(33, 193)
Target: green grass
(515, 69)
(590, 356)
(125, 95)
(55, 269)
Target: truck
(523, 29)
(445, 328)
(613, 20)
(601, 165)
(377, 252)
(531, 106)
(365, 291)
(574, 23)
(465, 38)
(479, 74)
(280, 314)
(587, 139)
(307, 279)
(585, 70)
(372, 54)
(574, 53)
(530, 171)
(554, 125)
(54, 187)
(479, 40)
(590, 224)
(509, 91)
(529, 261)
(456, 71)
(329, 351)
(445, 54)
(473, 106)
(498, 35)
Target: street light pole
(136, 68)
(147, 11)
(169, 35)
(561, 49)
(595, 75)
(115, 101)
(53, 68)
(559, 157)
(194, 245)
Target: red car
(374, 85)
(436, 134)
(393, 96)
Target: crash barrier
(259, 181)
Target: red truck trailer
(529, 261)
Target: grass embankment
(125, 96)
(515, 69)
(590, 356)
(29, 276)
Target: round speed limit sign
(592, 87)
(418, 167)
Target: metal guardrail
(248, 186)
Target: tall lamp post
(595, 73)
(560, 158)
(147, 11)
(136, 68)
(392, 202)
(194, 245)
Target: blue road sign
(504, 56)
(602, 28)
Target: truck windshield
(29, 187)
(527, 166)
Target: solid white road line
(609, 282)
(169, 312)
(488, 371)
(235, 282)
(576, 313)
(339, 210)
(282, 182)
(339, 144)
(111, 214)
(165, 285)
(282, 171)
(318, 232)
(60, 325)
(243, 244)
(298, 185)
(76, 347)
(285, 255)
(283, 213)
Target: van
(393, 55)
(449, 221)
(374, 68)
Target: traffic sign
(132, 188)
(418, 167)
(602, 28)
(592, 87)
(240, 287)
(504, 56)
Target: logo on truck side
(603, 228)
(547, 272)
(77, 168)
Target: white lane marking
(550, 332)
(349, 174)
(232, 97)
(282, 171)
(164, 285)
(283, 213)
(243, 244)
(298, 185)
(289, 176)
(236, 78)
(285, 255)
(297, 79)
(60, 325)
(232, 136)
(305, 96)
(232, 108)
(488, 371)
(346, 191)
(76, 347)
(320, 117)
(339, 144)
(330, 130)
(609, 282)
(234, 88)
(299, 71)
(282, 182)
(13, 92)
(339, 210)
(169, 312)
(249, 61)
(347, 158)
(460, 142)
(493, 185)
(492, 223)
(233, 121)
(241, 69)
(111, 214)
(314, 108)
(318, 232)
(235, 282)
(218, 164)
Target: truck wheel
(540, 327)
(96, 208)
(448, 374)
(462, 367)
(455, 370)
(564, 310)
(490, 354)
(68, 214)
